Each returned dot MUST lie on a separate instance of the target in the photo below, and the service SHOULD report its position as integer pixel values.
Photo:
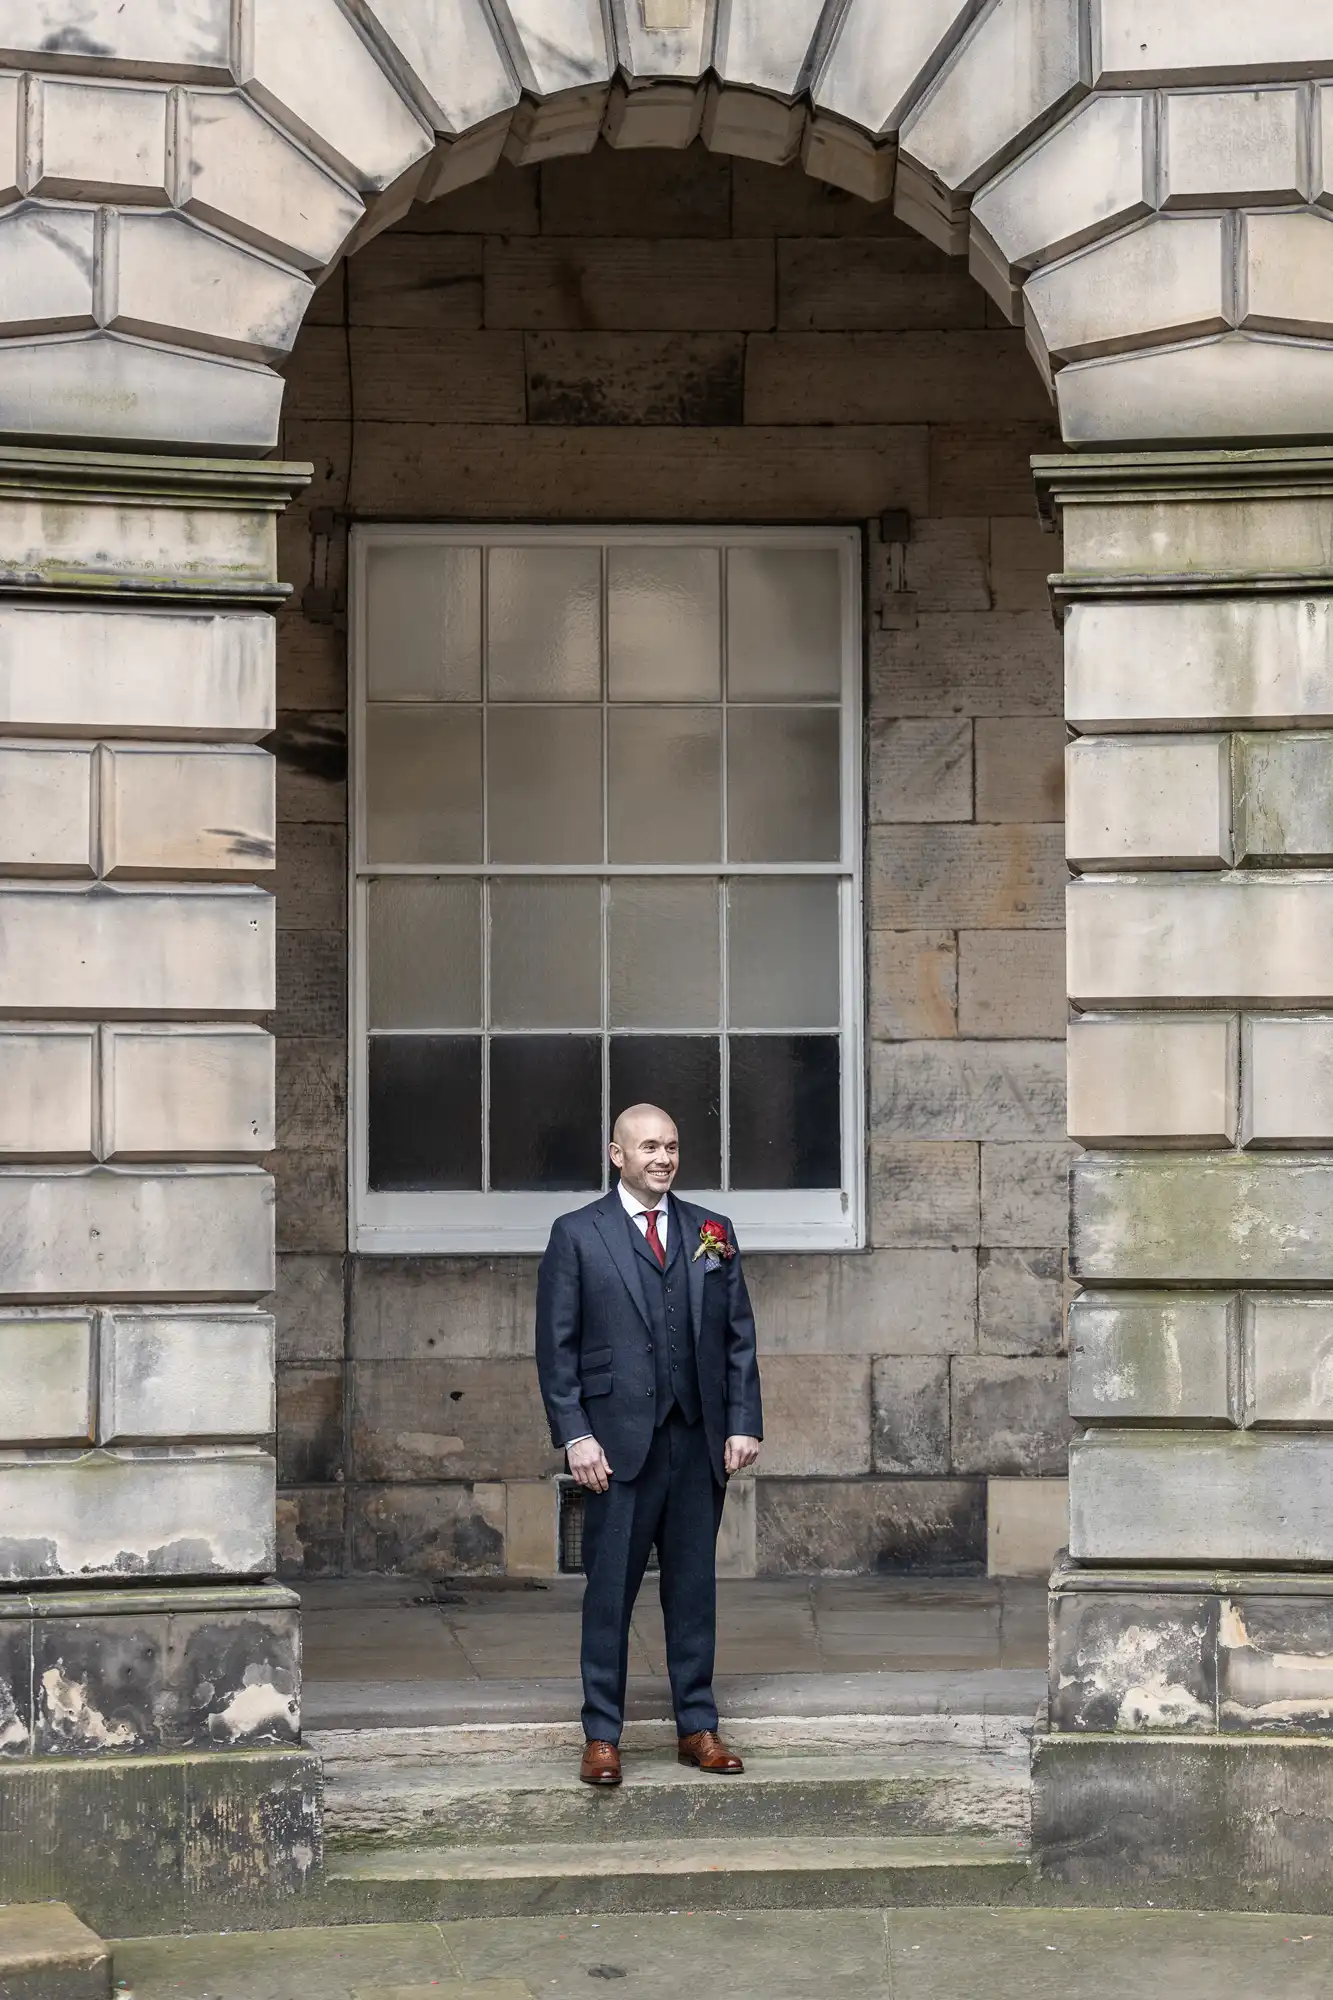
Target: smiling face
(645, 1149)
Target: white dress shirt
(638, 1215)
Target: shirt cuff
(578, 1440)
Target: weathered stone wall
(675, 336)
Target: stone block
(987, 469)
(1275, 1657)
(1027, 1525)
(885, 1526)
(910, 1414)
(1149, 802)
(135, 951)
(312, 1094)
(406, 376)
(1084, 178)
(968, 1090)
(1010, 984)
(178, 814)
(1133, 1659)
(308, 1307)
(1199, 661)
(247, 177)
(44, 1949)
(90, 143)
(1162, 280)
(1283, 810)
(1023, 558)
(816, 1415)
(1020, 1301)
(920, 771)
(312, 984)
(1231, 145)
(1288, 1361)
(311, 1531)
(176, 281)
(630, 285)
(736, 1542)
(46, 255)
(1288, 1081)
(924, 1194)
(46, 1093)
(1014, 69)
(143, 397)
(966, 877)
(311, 68)
(1024, 1195)
(46, 817)
(943, 568)
(187, 1093)
(448, 1420)
(1239, 387)
(1285, 286)
(646, 378)
(1010, 1416)
(1151, 1357)
(135, 673)
(205, 1512)
(111, 1234)
(46, 1368)
(311, 1198)
(635, 193)
(311, 756)
(1230, 1219)
(311, 878)
(454, 54)
(1020, 769)
(428, 282)
(454, 1308)
(531, 1527)
(165, 1376)
(1136, 42)
(197, 43)
(873, 284)
(1201, 1497)
(1230, 939)
(889, 378)
(1163, 1080)
(435, 1530)
(914, 985)
(887, 1302)
(310, 1425)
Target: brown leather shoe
(706, 1750)
(601, 1764)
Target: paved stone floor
(807, 1955)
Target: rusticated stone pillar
(143, 1643)
(1190, 1745)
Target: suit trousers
(676, 1502)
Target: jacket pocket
(597, 1385)
(597, 1357)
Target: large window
(606, 847)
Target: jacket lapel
(610, 1218)
(687, 1237)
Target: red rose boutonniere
(713, 1244)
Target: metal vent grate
(572, 1501)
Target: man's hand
(741, 1454)
(587, 1462)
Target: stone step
(871, 1793)
(567, 1878)
(46, 1953)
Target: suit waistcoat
(667, 1296)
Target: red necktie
(654, 1240)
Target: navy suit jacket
(594, 1342)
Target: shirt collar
(633, 1206)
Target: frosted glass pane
(664, 624)
(783, 953)
(424, 955)
(423, 784)
(664, 958)
(545, 789)
(783, 785)
(545, 635)
(546, 954)
(665, 784)
(784, 623)
(423, 623)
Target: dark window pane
(546, 1111)
(681, 1073)
(786, 1113)
(425, 1111)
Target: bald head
(645, 1150)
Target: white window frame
(451, 1222)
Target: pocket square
(712, 1264)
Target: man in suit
(646, 1358)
